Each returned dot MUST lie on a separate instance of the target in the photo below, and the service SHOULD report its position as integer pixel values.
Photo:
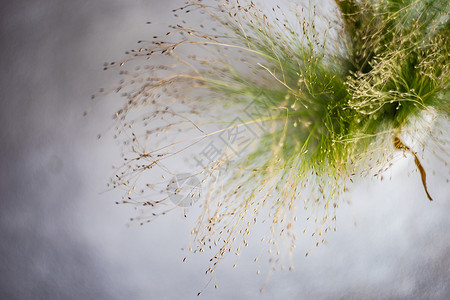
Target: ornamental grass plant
(275, 111)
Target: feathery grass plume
(279, 110)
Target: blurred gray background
(62, 236)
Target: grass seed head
(317, 101)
